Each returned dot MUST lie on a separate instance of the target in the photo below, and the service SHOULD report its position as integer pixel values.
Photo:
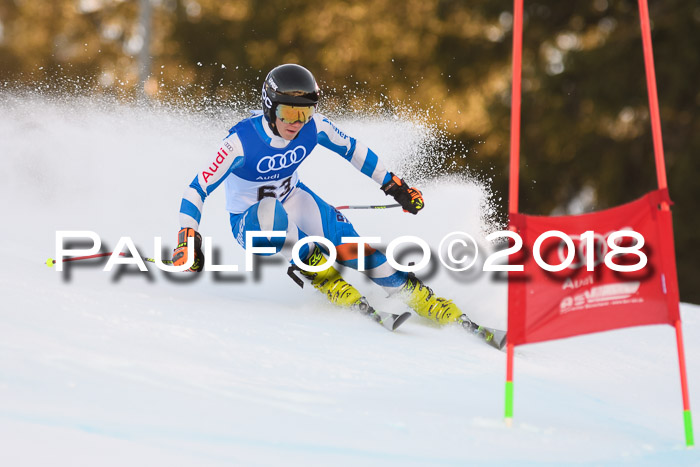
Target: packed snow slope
(247, 369)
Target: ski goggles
(292, 114)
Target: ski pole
(369, 206)
(50, 262)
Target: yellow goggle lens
(291, 114)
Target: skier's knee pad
(269, 214)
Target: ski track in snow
(131, 368)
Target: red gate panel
(545, 305)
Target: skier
(258, 162)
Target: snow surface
(246, 369)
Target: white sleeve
(227, 157)
(354, 151)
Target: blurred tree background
(586, 135)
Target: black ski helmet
(288, 84)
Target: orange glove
(180, 253)
(410, 199)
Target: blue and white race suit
(263, 191)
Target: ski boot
(423, 301)
(340, 293)
(331, 283)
